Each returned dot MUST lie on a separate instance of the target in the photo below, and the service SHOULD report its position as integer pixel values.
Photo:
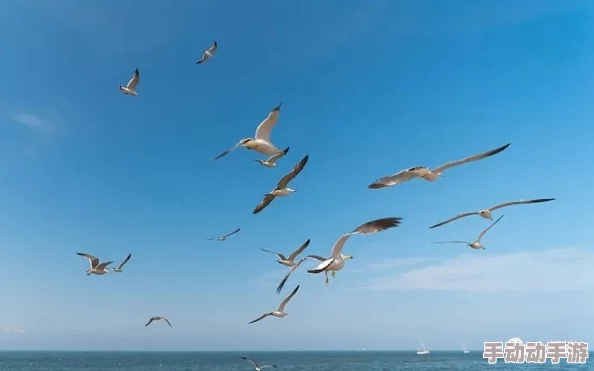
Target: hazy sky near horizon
(368, 89)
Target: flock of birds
(262, 144)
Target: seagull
(290, 261)
(120, 267)
(157, 318)
(281, 187)
(280, 312)
(271, 161)
(337, 259)
(256, 366)
(486, 213)
(261, 142)
(207, 54)
(223, 238)
(476, 244)
(130, 89)
(315, 257)
(424, 172)
(95, 267)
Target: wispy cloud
(13, 330)
(391, 264)
(549, 270)
(31, 120)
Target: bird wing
(103, 265)
(378, 225)
(480, 156)
(272, 159)
(283, 303)
(232, 233)
(264, 366)
(280, 286)
(278, 254)
(299, 250)
(263, 130)
(464, 242)
(521, 202)
(268, 198)
(260, 318)
(293, 173)
(322, 267)
(213, 48)
(454, 218)
(337, 248)
(134, 80)
(93, 261)
(489, 227)
(124, 262)
(150, 321)
(203, 59)
(250, 361)
(317, 257)
(391, 180)
(227, 151)
(166, 320)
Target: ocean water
(226, 361)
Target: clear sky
(368, 88)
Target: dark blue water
(224, 361)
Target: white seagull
(476, 244)
(290, 261)
(271, 161)
(158, 318)
(223, 238)
(281, 187)
(208, 53)
(130, 89)
(337, 259)
(120, 267)
(486, 213)
(261, 142)
(429, 175)
(280, 312)
(95, 267)
(256, 366)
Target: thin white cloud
(391, 264)
(548, 270)
(13, 330)
(30, 120)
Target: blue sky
(368, 90)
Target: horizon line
(223, 351)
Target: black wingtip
(286, 150)
(375, 186)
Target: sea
(296, 361)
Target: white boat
(423, 351)
(466, 351)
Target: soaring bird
(256, 366)
(486, 213)
(337, 259)
(271, 161)
(120, 267)
(208, 53)
(130, 89)
(424, 172)
(290, 261)
(280, 312)
(223, 238)
(281, 187)
(476, 244)
(95, 266)
(158, 318)
(261, 142)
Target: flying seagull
(130, 89)
(280, 312)
(429, 175)
(208, 53)
(271, 161)
(120, 267)
(314, 257)
(337, 259)
(95, 266)
(486, 213)
(476, 244)
(158, 318)
(256, 366)
(261, 142)
(223, 238)
(281, 187)
(290, 261)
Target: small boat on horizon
(423, 351)
(466, 351)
